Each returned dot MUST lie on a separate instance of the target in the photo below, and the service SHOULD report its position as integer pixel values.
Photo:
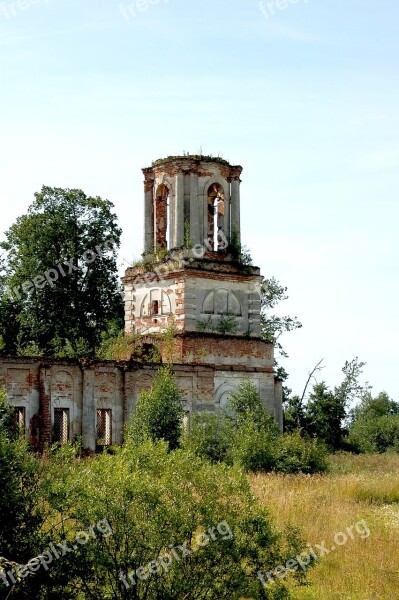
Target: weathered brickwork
(83, 387)
(210, 303)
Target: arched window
(215, 214)
(156, 303)
(161, 217)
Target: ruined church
(191, 302)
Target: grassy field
(357, 488)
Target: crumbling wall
(82, 387)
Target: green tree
(295, 417)
(159, 412)
(246, 435)
(247, 405)
(209, 436)
(273, 326)
(352, 389)
(374, 407)
(60, 274)
(9, 311)
(375, 424)
(326, 412)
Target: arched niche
(223, 395)
(221, 302)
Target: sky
(303, 94)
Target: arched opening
(161, 217)
(147, 353)
(215, 215)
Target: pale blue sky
(305, 99)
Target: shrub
(157, 503)
(253, 447)
(250, 438)
(246, 403)
(159, 412)
(295, 454)
(19, 480)
(209, 436)
(8, 425)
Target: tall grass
(357, 487)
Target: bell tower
(190, 193)
(193, 279)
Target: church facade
(192, 302)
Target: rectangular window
(104, 433)
(61, 425)
(155, 307)
(19, 417)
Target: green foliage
(247, 405)
(351, 389)
(372, 408)
(206, 325)
(247, 436)
(375, 424)
(294, 414)
(74, 238)
(273, 326)
(253, 447)
(143, 503)
(9, 311)
(8, 426)
(326, 412)
(209, 436)
(167, 343)
(258, 446)
(155, 500)
(227, 323)
(116, 344)
(296, 454)
(237, 251)
(19, 478)
(159, 411)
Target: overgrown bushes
(150, 520)
(150, 523)
(20, 517)
(248, 436)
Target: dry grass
(358, 487)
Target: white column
(235, 207)
(195, 207)
(179, 212)
(226, 226)
(148, 219)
